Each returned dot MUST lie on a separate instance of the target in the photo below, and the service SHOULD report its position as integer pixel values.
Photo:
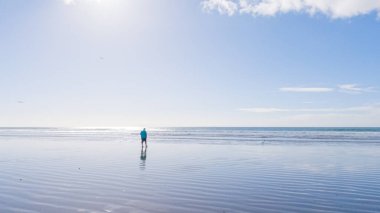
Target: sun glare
(70, 2)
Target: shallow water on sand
(75, 175)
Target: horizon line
(134, 127)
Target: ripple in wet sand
(112, 177)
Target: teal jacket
(143, 134)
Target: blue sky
(189, 63)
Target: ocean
(219, 135)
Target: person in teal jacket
(144, 136)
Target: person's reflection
(142, 158)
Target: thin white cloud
(346, 88)
(331, 8)
(306, 89)
(357, 109)
(263, 110)
(354, 88)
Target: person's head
(144, 129)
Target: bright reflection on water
(56, 175)
(143, 158)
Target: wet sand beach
(76, 175)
